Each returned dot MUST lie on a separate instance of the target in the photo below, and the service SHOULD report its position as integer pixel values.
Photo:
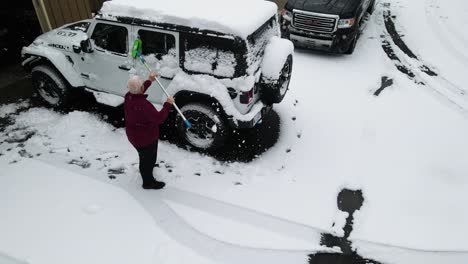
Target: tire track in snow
(441, 29)
(411, 65)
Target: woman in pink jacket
(142, 122)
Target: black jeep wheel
(209, 129)
(273, 93)
(50, 85)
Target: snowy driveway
(390, 120)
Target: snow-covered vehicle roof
(235, 17)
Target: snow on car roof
(237, 17)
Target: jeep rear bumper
(256, 118)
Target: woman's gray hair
(134, 85)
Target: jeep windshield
(256, 43)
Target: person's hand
(170, 100)
(153, 76)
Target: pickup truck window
(156, 43)
(111, 38)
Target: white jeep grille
(314, 22)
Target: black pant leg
(154, 154)
(146, 163)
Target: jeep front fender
(59, 60)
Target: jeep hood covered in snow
(63, 39)
(343, 8)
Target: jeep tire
(273, 93)
(209, 128)
(50, 85)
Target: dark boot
(154, 185)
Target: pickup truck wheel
(209, 129)
(371, 8)
(273, 93)
(50, 85)
(352, 47)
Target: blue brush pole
(186, 122)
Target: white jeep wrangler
(225, 69)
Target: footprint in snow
(116, 171)
(92, 209)
(82, 163)
(24, 154)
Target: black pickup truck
(331, 25)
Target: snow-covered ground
(406, 149)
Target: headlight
(346, 23)
(286, 14)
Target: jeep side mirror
(86, 46)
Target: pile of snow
(239, 18)
(9, 109)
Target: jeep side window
(156, 43)
(210, 55)
(82, 26)
(111, 38)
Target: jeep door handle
(124, 67)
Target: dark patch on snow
(38, 154)
(328, 258)
(82, 163)
(1, 154)
(348, 201)
(13, 162)
(219, 172)
(294, 119)
(198, 174)
(397, 38)
(169, 170)
(428, 71)
(23, 153)
(386, 82)
(299, 135)
(288, 150)
(387, 47)
(8, 149)
(238, 183)
(112, 177)
(168, 166)
(116, 171)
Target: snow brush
(136, 52)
